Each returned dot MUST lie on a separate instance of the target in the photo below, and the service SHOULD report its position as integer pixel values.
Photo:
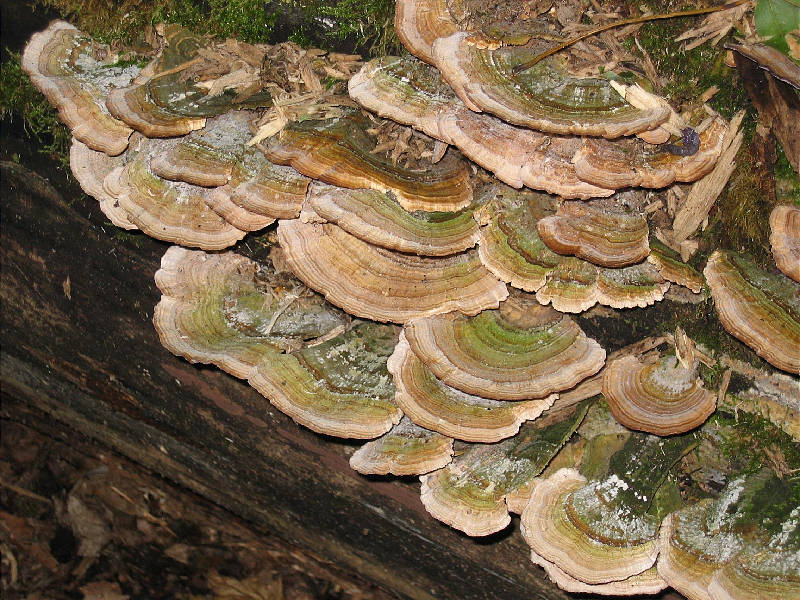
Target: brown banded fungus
(419, 23)
(632, 163)
(662, 397)
(383, 285)
(470, 493)
(672, 268)
(62, 64)
(406, 449)
(433, 404)
(645, 583)
(338, 151)
(90, 168)
(509, 244)
(227, 310)
(541, 97)
(759, 308)
(166, 210)
(206, 157)
(169, 101)
(602, 531)
(413, 93)
(520, 351)
(784, 222)
(374, 217)
(743, 544)
(601, 231)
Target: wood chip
(705, 191)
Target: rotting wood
(93, 363)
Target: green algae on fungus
(340, 387)
(435, 405)
(471, 493)
(339, 151)
(510, 245)
(672, 268)
(604, 530)
(374, 217)
(406, 449)
(540, 97)
(61, 63)
(760, 308)
(229, 311)
(520, 351)
(226, 310)
(744, 543)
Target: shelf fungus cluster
(434, 237)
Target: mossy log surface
(78, 345)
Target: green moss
(690, 73)
(20, 100)
(787, 183)
(361, 25)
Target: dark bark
(78, 344)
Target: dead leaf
(103, 590)
(67, 287)
(252, 588)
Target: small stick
(643, 19)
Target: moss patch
(20, 100)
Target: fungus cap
(383, 285)
(406, 449)
(540, 98)
(663, 398)
(433, 404)
(520, 351)
(784, 222)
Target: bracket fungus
(406, 449)
(339, 152)
(743, 544)
(206, 157)
(600, 231)
(413, 93)
(510, 245)
(541, 97)
(419, 23)
(633, 163)
(483, 391)
(663, 397)
(672, 268)
(520, 351)
(62, 65)
(90, 168)
(602, 531)
(431, 403)
(760, 308)
(383, 285)
(171, 211)
(226, 310)
(470, 494)
(167, 101)
(374, 217)
(784, 222)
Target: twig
(643, 19)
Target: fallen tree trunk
(78, 345)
